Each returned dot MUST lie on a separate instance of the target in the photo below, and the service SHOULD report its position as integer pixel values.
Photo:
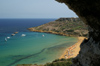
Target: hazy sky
(34, 9)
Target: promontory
(63, 26)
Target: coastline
(52, 32)
(69, 52)
(73, 50)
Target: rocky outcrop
(63, 26)
(89, 12)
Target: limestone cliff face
(89, 12)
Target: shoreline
(73, 50)
(70, 52)
(53, 32)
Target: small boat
(8, 37)
(23, 35)
(5, 39)
(12, 34)
(15, 32)
(43, 35)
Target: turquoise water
(33, 48)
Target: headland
(63, 26)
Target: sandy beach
(73, 50)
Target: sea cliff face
(89, 12)
(63, 26)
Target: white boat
(5, 39)
(43, 35)
(23, 35)
(8, 37)
(12, 34)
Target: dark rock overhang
(89, 12)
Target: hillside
(63, 26)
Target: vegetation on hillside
(66, 26)
(60, 62)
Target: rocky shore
(52, 32)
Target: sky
(34, 9)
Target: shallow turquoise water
(33, 48)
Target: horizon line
(39, 18)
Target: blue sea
(34, 48)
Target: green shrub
(60, 62)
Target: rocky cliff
(63, 26)
(89, 12)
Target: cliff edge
(89, 12)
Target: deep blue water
(32, 48)
(12, 25)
